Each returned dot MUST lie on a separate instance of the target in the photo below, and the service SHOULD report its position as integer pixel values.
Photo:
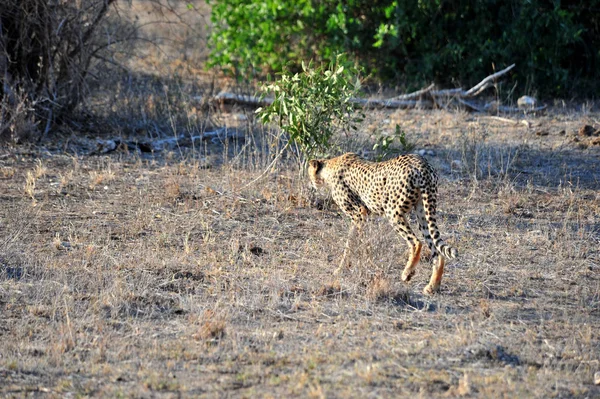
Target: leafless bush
(49, 50)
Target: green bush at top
(555, 45)
(310, 106)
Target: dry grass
(154, 276)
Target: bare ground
(157, 277)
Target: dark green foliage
(554, 44)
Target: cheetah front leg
(403, 229)
(351, 234)
(358, 218)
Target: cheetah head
(315, 169)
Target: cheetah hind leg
(436, 276)
(437, 259)
(413, 260)
(403, 229)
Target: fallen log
(374, 103)
(423, 98)
(170, 143)
(242, 99)
(102, 146)
(415, 94)
(524, 122)
(485, 83)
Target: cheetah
(392, 188)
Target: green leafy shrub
(310, 106)
(384, 148)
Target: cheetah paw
(431, 290)
(406, 276)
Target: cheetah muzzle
(392, 188)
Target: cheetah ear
(316, 164)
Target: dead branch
(374, 103)
(424, 98)
(485, 83)
(446, 92)
(510, 121)
(241, 99)
(101, 146)
(415, 94)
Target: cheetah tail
(446, 250)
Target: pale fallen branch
(424, 98)
(415, 94)
(102, 146)
(242, 99)
(510, 121)
(374, 103)
(485, 83)
(216, 136)
(446, 92)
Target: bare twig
(446, 92)
(478, 88)
(374, 103)
(510, 121)
(415, 94)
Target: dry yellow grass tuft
(29, 188)
(212, 327)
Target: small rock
(597, 378)
(526, 102)
(422, 152)
(65, 245)
(541, 133)
(104, 146)
(562, 132)
(258, 251)
(586, 130)
(431, 153)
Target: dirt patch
(148, 275)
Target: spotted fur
(392, 188)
